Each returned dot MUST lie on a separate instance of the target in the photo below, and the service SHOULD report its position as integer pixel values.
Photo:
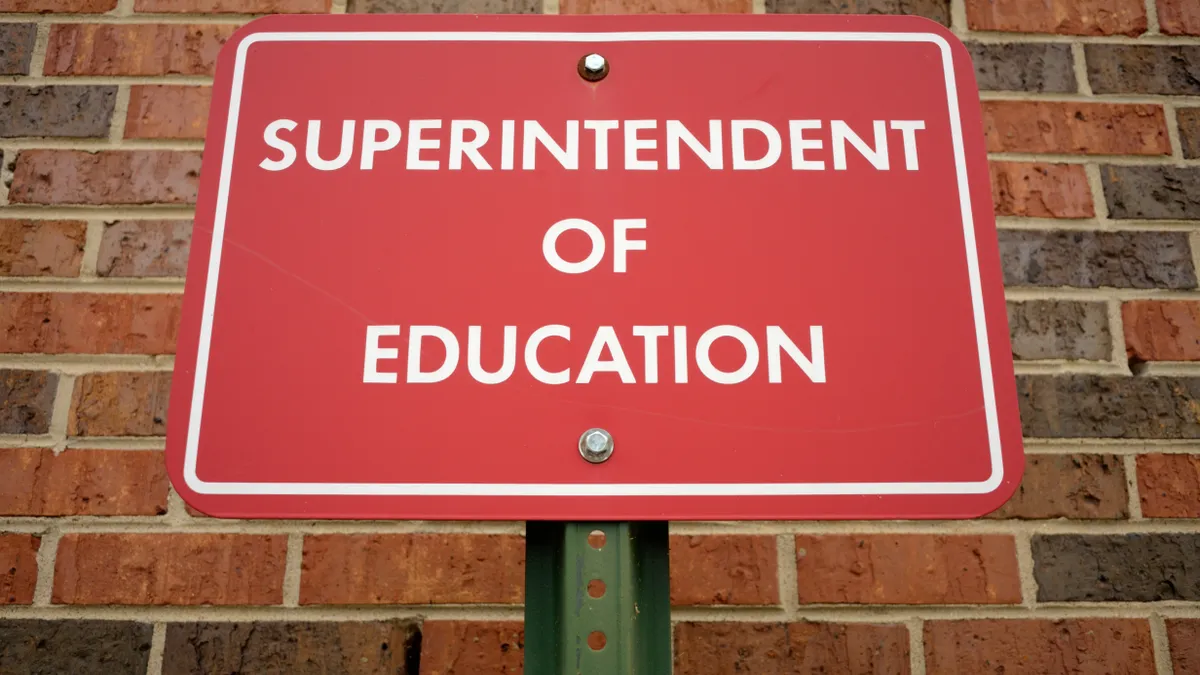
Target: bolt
(596, 445)
(593, 67)
(593, 62)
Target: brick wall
(1092, 110)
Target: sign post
(594, 273)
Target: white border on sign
(591, 489)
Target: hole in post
(596, 588)
(596, 539)
(596, 640)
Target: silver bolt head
(596, 445)
(594, 63)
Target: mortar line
(958, 18)
(292, 570)
(80, 364)
(103, 144)
(1152, 25)
(551, 6)
(120, 114)
(1173, 138)
(1025, 568)
(116, 212)
(177, 514)
(111, 80)
(338, 7)
(61, 411)
(37, 60)
(8, 164)
(91, 249)
(1162, 644)
(787, 575)
(1116, 332)
(1131, 488)
(916, 646)
(91, 285)
(1079, 65)
(47, 556)
(758, 7)
(1095, 183)
(158, 644)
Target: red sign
(431, 252)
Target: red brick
(233, 6)
(88, 323)
(167, 111)
(1179, 17)
(472, 647)
(145, 248)
(36, 482)
(1158, 330)
(1184, 637)
(907, 569)
(1075, 128)
(135, 49)
(655, 6)
(108, 177)
(41, 248)
(120, 404)
(724, 570)
(18, 568)
(1069, 486)
(1041, 190)
(710, 648)
(1076, 17)
(64, 6)
(1169, 485)
(412, 569)
(170, 569)
(1069, 647)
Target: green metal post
(592, 610)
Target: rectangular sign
(432, 252)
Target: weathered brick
(724, 570)
(712, 648)
(36, 647)
(88, 323)
(1189, 131)
(1067, 647)
(59, 6)
(135, 49)
(316, 648)
(107, 177)
(412, 569)
(169, 569)
(16, 47)
(1169, 485)
(66, 111)
(1143, 69)
(120, 404)
(1101, 406)
(1059, 329)
(233, 6)
(1030, 66)
(445, 6)
(26, 399)
(1184, 638)
(907, 569)
(467, 647)
(36, 482)
(1179, 17)
(1153, 192)
(41, 248)
(655, 6)
(938, 10)
(145, 248)
(1097, 259)
(167, 111)
(1105, 568)
(1069, 486)
(18, 569)
(1078, 17)
(1159, 330)
(1076, 128)
(1041, 190)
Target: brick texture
(18, 568)
(445, 6)
(462, 647)
(1178, 17)
(1075, 128)
(16, 47)
(1184, 636)
(63, 6)
(36, 482)
(41, 248)
(1041, 190)
(169, 569)
(34, 647)
(1059, 329)
(1152, 192)
(233, 6)
(938, 10)
(907, 569)
(655, 6)
(167, 111)
(134, 49)
(1097, 259)
(1078, 17)
(1099, 406)
(1128, 568)
(120, 404)
(88, 323)
(64, 111)
(714, 648)
(1158, 330)
(1143, 69)
(724, 570)
(1023, 67)
(26, 399)
(1069, 647)
(107, 177)
(1189, 131)
(1069, 486)
(1169, 485)
(145, 248)
(412, 569)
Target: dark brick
(1189, 131)
(318, 648)
(1108, 568)
(1144, 69)
(26, 399)
(1028, 66)
(1154, 192)
(1059, 329)
(1097, 259)
(938, 10)
(16, 47)
(76, 112)
(1069, 486)
(717, 648)
(445, 7)
(35, 647)
(145, 248)
(1104, 406)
